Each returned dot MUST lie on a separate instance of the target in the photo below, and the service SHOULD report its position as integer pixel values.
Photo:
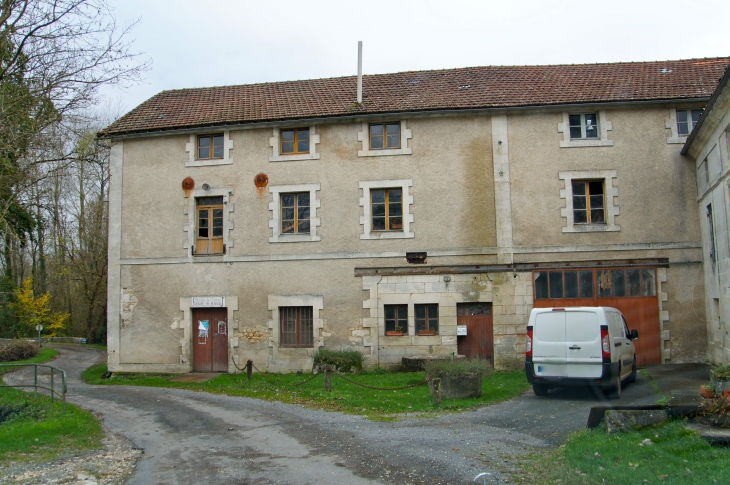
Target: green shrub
(18, 350)
(342, 360)
(457, 368)
(722, 372)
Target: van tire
(540, 389)
(632, 376)
(615, 392)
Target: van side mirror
(634, 335)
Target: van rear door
(548, 344)
(583, 344)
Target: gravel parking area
(111, 465)
(193, 437)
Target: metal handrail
(36, 386)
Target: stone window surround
(604, 126)
(190, 211)
(275, 208)
(275, 144)
(192, 149)
(186, 324)
(671, 124)
(364, 137)
(317, 304)
(366, 218)
(610, 192)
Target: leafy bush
(18, 350)
(457, 368)
(342, 360)
(722, 372)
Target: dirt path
(191, 438)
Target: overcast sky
(219, 42)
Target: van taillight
(605, 344)
(528, 346)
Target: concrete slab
(680, 383)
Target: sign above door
(208, 301)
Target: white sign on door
(209, 301)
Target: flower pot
(706, 392)
(427, 332)
(392, 333)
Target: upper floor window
(583, 126)
(384, 136)
(294, 141)
(387, 209)
(295, 213)
(588, 202)
(686, 120)
(210, 146)
(209, 238)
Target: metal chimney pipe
(359, 72)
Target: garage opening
(632, 290)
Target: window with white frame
(686, 120)
(681, 122)
(386, 209)
(589, 201)
(585, 129)
(294, 213)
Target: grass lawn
(39, 430)
(344, 397)
(676, 456)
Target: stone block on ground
(416, 362)
(627, 420)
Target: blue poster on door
(203, 331)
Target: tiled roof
(449, 89)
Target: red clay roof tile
(448, 89)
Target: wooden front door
(632, 291)
(210, 340)
(479, 339)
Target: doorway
(210, 340)
(479, 339)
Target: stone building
(265, 221)
(708, 146)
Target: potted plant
(394, 333)
(720, 378)
(459, 379)
(707, 391)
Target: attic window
(465, 86)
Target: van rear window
(582, 326)
(549, 327)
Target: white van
(579, 346)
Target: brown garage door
(633, 291)
(479, 339)
(210, 340)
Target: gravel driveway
(192, 437)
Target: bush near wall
(341, 360)
(18, 350)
